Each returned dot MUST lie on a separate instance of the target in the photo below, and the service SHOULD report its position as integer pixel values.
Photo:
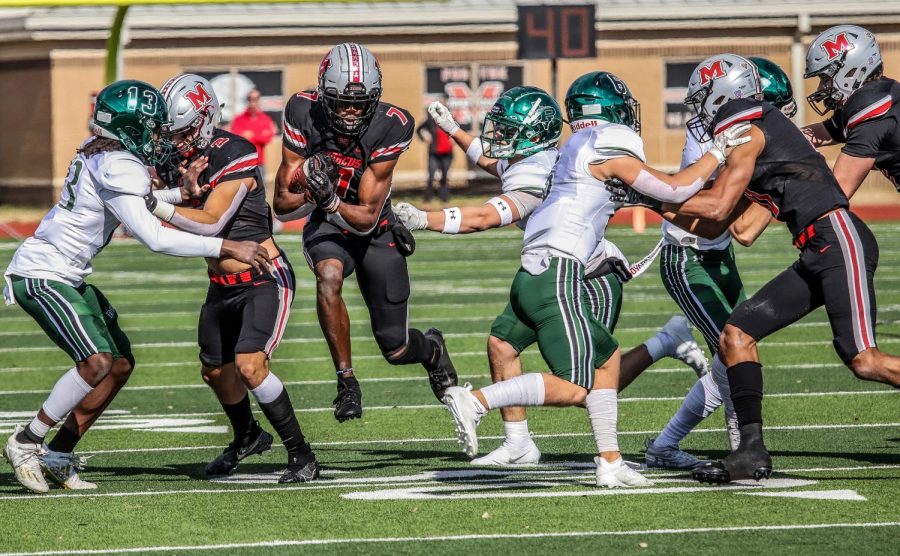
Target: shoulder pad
(871, 102)
(614, 140)
(735, 111)
(122, 172)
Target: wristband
(163, 210)
(333, 205)
(503, 209)
(475, 150)
(452, 220)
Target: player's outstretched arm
(817, 135)
(469, 143)
(217, 211)
(131, 211)
(289, 182)
(850, 171)
(459, 220)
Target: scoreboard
(557, 31)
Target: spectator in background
(254, 125)
(440, 155)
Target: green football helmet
(775, 85)
(600, 95)
(523, 121)
(135, 114)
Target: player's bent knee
(95, 368)
(735, 339)
(210, 374)
(122, 368)
(399, 356)
(329, 280)
(866, 365)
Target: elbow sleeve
(648, 184)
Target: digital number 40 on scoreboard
(557, 31)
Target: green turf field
(396, 482)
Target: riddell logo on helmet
(199, 97)
(712, 71)
(838, 46)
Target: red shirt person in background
(254, 125)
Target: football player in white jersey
(106, 186)
(547, 294)
(518, 145)
(701, 276)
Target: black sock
(418, 350)
(26, 436)
(746, 383)
(281, 414)
(65, 440)
(241, 417)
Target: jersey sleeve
(529, 175)
(295, 122)
(866, 139)
(231, 159)
(615, 141)
(834, 128)
(735, 112)
(123, 173)
(395, 136)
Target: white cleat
(63, 468)
(617, 474)
(24, 458)
(686, 349)
(467, 412)
(511, 456)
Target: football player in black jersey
(340, 147)
(866, 105)
(245, 313)
(779, 170)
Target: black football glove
(150, 201)
(321, 181)
(406, 243)
(627, 195)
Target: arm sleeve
(866, 138)
(171, 195)
(651, 186)
(132, 212)
(203, 229)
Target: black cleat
(348, 403)
(300, 473)
(750, 461)
(441, 373)
(258, 441)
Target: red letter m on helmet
(834, 48)
(712, 71)
(198, 97)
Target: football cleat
(750, 461)
(300, 473)
(508, 455)
(668, 457)
(686, 349)
(257, 442)
(617, 474)
(62, 468)
(467, 413)
(25, 460)
(441, 373)
(348, 403)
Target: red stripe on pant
(858, 285)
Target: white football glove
(725, 142)
(411, 217)
(443, 117)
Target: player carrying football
(246, 311)
(780, 170)
(341, 145)
(106, 185)
(547, 294)
(518, 145)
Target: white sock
(720, 375)
(516, 433)
(702, 400)
(269, 389)
(68, 392)
(525, 390)
(603, 412)
(660, 345)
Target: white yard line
(450, 538)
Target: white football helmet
(193, 106)
(843, 58)
(714, 82)
(349, 75)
